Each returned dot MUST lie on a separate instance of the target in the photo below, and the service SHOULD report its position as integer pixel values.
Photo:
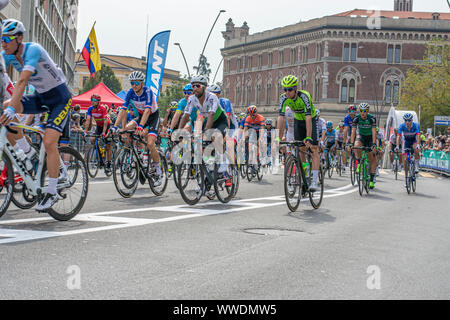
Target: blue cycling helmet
(407, 117)
(329, 125)
(188, 87)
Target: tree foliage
(203, 67)
(427, 84)
(172, 93)
(105, 75)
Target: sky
(121, 26)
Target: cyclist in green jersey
(365, 134)
(305, 121)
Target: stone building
(122, 66)
(343, 59)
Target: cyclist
(411, 134)
(330, 137)
(365, 135)
(305, 123)
(141, 100)
(340, 142)
(227, 106)
(188, 92)
(36, 68)
(255, 122)
(170, 114)
(380, 147)
(348, 120)
(393, 146)
(99, 115)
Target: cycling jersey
(339, 135)
(409, 134)
(46, 74)
(242, 122)
(256, 123)
(228, 107)
(140, 103)
(364, 127)
(302, 106)
(182, 105)
(211, 104)
(330, 136)
(321, 127)
(99, 115)
(348, 121)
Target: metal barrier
(436, 161)
(77, 141)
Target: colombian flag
(91, 54)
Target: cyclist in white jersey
(37, 68)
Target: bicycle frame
(33, 184)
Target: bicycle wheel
(353, 171)
(339, 164)
(6, 184)
(366, 176)
(125, 172)
(243, 170)
(360, 176)
(315, 198)
(396, 168)
(22, 198)
(159, 190)
(225, 182)
(250, 172)
(407, 179)
(91, 159)
(74, 190)
(330, 161)
(260, 172)
(191, 182)
(292, 184)
(413, 178)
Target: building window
(390, 56)
(316, 89)
(281, 58)
(353, 53)
(270, 59)
(395, 92)
(388, 89)
(228, 65)
(249, 94)
(397, 53)
(303, 82)
(250, 63)
(346, 51)
(344, 90)
(293, 55)
(318, 51)
(351, 91)
(238, 67)
(85, 79)
(260, 61)
(268, 93)
(258, 93)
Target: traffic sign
(441, 120)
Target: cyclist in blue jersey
(411, 135)
(330, 137)
(188, 91)
(348, 120)
(52, 95)
(141, 99)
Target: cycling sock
(157, 166)
(23, 144)
(372, 176)
(52, 182)
(315, 175)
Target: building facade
(122, 66)
(348, 58)
(53, 24)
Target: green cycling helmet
(289, 81)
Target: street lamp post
(182, 53)
(207, 39)
(374, 89)
(221, 61)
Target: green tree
(203, 67)
(172, 93)
(427, 84)
(105, 75)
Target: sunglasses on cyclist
(135, 83)
(288, 89)
(8, 39)
(408, 120)
(188, 92)
(197, 86)
(364, 111)
(94, 100)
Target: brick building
(342, 59)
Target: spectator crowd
(437, 143)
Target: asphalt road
(385, 245)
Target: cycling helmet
(252, 110)
(242, 115)
(174, 103)
(12, 27)
(188, 87)
(318, 112)
(136, 76)
(341, 124)
(269, 122)
(215, 89)
(289, 81)
(329, 125)
(364, 106)
(199, 79)
(97, 97)
(351, 108)
(408, 116)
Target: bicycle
(363, 175)
(298, 176)
(410, 171)
(329, 156)
(339, 163)
(73, 173)
(95, 157)
(353, 166)
(196, 179)
(395, 164)
(129, 167)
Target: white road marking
(13, 235)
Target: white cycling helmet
(215, 89)
(199, 79)
(317, 112)
(136, 76)
(12, 27)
